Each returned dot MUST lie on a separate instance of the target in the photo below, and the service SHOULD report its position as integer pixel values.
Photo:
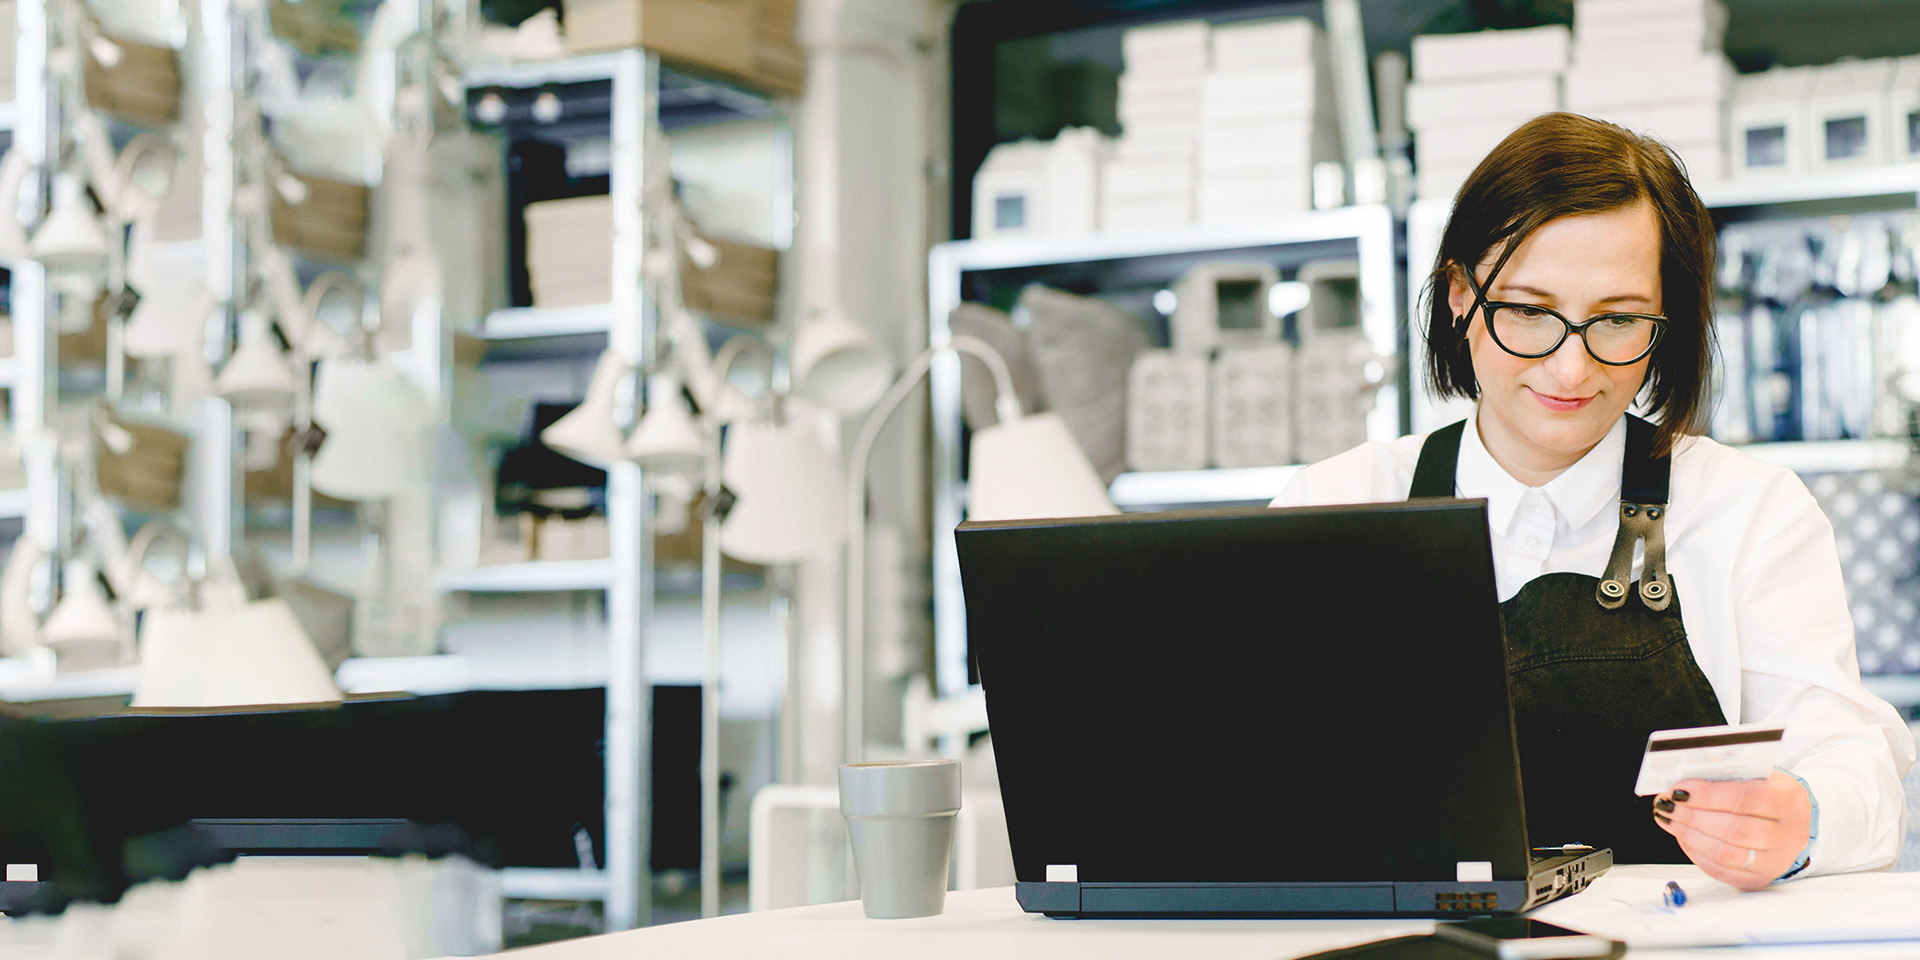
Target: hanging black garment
(1596, 664)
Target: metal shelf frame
(1367, 233)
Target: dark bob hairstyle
(1563, 164)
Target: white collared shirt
(1753, 564)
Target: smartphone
(1518, 938)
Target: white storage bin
(1903, 110)
(1848, 123)
(1490, 53)
(1767, 124)
(1167, 411)
(1253, 406)
(1515, 98)
(1041, 189)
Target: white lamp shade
(256, 655)
(349, 394)
(1031, 469)
(170, 319)
(14, 170)
(666, 439)
(257, 373)
(367, 462)
(838, 365)
(83, 616)
(70, 240)
(790, 494)
(589, 432)
(19, 625)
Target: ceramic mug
(900, 821)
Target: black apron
(1595, 665)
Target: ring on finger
(1750, 855)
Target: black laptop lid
(1309, 694)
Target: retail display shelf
(685, 99)
(1169, 489)
(521, 323)
(13, 504)
(1832, 456)
(552, 883)
(457, 673)
(1345, 223)
(532, 577)
(1813, 188)
(26, 679)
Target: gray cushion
(1082, 348)
(977, 389)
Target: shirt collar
(1579, 494)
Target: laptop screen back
(1311, 694)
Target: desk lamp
(1022, 467)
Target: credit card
(1732, 752)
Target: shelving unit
(13, 504)
(518, 323)
(1365, 234)
(532, 577)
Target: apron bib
(1595, 665)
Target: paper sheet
(1850, 907)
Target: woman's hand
(1744, 833)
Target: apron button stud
(1630, 511)
(1612, 588)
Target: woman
(1651, 578)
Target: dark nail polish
(1664, 805)
(1681, 796)
(1663, 818)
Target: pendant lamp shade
(15, 167)
(70, 240)
(1032, 468)
(666, 439)
(19, 625)
(255, 655)
(838, 364)
(83, 617)
(257, 373)
(589, 432)
(170, 319)
(790, 494)
(375, 418)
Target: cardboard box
(331, 223)
(1593, 13)
(741, 285)
(1183, 41)
(1289, 94)
(1461, 144)
(1512, 99)
(1491, 53)
(143, 88)
(1268, 151)
(148, 476)
(1684, 30)
(748, 40)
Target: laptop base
(1552, 878)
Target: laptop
(1253, 712)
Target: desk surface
(989, 925)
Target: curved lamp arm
(1006, 404)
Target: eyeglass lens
(1534, 332)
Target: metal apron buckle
(1639, 523)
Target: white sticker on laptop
(1733, 752)
(1063, 873)
(1473, 871)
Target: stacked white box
(1472, 89)
(1266, 117)
(1655, 67)
(1148, 180)
(1030, 188)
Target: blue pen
(1674, 896)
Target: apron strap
(1643, 511)
(1439, 459)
